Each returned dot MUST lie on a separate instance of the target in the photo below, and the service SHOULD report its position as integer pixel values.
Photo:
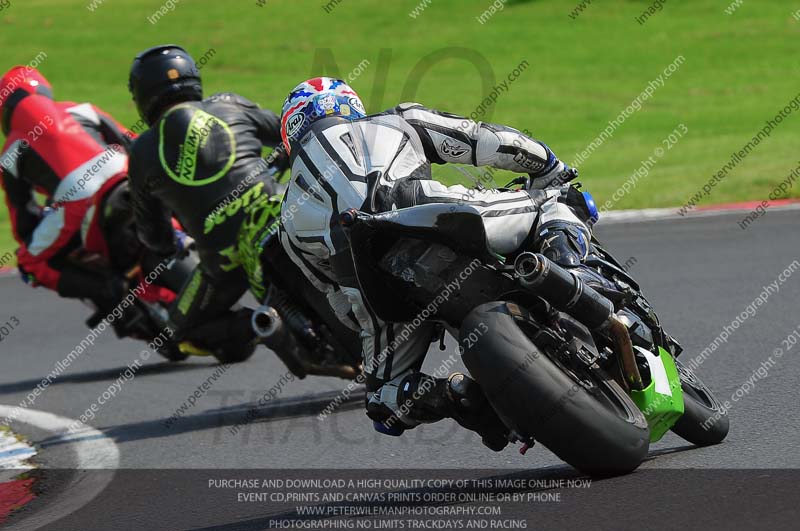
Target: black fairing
(458, 227)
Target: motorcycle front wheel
(704, 421)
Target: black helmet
(161, 77)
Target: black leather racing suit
(202, 164)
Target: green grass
(739, 71)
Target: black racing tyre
(704, 421)
(588, 421)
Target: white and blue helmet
(313, 100)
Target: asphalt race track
(700, 273)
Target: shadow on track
(102, 375)
(301, 406)
(674, 450)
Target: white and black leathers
(383, 162)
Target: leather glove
(560, 175)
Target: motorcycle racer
(201, 162)
(342, 158)
(70, 153)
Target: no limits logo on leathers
(204, 131)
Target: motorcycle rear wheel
(587, 421)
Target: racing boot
(228, 337)
(563, 242)
(424, 399)
(108, 293)
(472, 410)
(568, 245)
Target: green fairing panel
(662, 400)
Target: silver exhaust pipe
(265, 321)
